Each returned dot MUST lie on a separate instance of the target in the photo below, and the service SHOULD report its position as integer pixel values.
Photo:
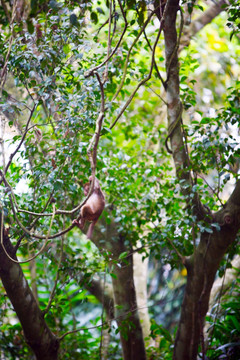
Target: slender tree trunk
(124, 294)
(127, 312)
(140, 280)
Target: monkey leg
(90, 229)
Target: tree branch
(174, 109)
(200, 22)
(96, 288)
(129, 53)
(56, 280)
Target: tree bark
(127, 312)
(202, 268)
(203, 264)
(174, 105)
(124, 294)
(38, 335)
(140, 280)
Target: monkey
(93, 208)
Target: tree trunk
(124, 294)
(203, 264)
(38, 336)
(202, 268)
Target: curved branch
(132, 311)
(92, 148)
(201, 272)
(98, 289)
(4, 68)
(105, 76)
(39, 252)
(92, 154)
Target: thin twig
(100, 28)
(148, 76)
(12, 99)
(56, 280)
(21, 142)
(32, 224)
(155, 64)
(160, 97)
(39, 252)
(4, 6)
(181, 257)
(4, 69)
(92, 154)
(30, 233)
(2, 141)
(102, 314)
(131, 311)
(92, 148)
(105, 75)
(211, 188)
(129, 53)
(90, 72)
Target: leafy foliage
(225, 327)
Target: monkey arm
(79, 223)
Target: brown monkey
(93, 208)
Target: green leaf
(73, 20)
(183, 78)
(94, 17)
(55, 5)
(30, 26)
(100, 10)
(66, 48)
(123, 255)
(113, 275)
